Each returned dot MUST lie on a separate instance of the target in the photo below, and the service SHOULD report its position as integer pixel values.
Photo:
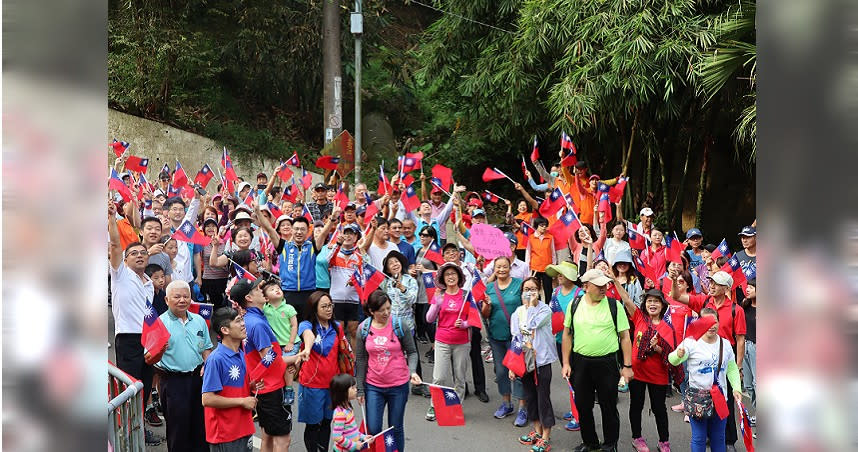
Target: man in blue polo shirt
(180, 371)
(226, 387)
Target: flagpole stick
(439, 386)
(439, 188)
(465, 299)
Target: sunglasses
(425, 235)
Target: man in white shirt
(381, 246)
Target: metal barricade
(125, 411)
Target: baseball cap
(646, 211)
(281, 219)
(243, 185)
(748, 231)
(209, 221)
(351, 205)
(475, 202)
(595, 176)
(352, 228)
(595, 276)
(654, 293)
(243, 287)
(478, 212)
(261, 174)
(580, 164)
(511, 237)
(320, 186)
(693, 232)
(722, 279)
(449, 245)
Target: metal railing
(125, 411)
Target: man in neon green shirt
(594, 358)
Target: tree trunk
(702, 183)
(676, 209)
(628, 157)
(664, 191)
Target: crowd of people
(320, 303)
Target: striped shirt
(344, 430)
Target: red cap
(475, 202)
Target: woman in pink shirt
(452, 337)
(385, 362)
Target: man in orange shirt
(540, 254)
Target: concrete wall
(164, 144)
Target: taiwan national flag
(306, 179)
(119, 147)
(526, 229)
(429, 284)
(564, 227)
(699, 327)
(228, 169)
(722, 250)
(285, 174)
(240, 272)
(290, 193)
(342, 199)
(534, 154)
(569, 150)
(616, 192)
(605, 208)
(293, 160)
(552, 204)
(155, 335)
(407, 180)
(366, 282)
(733, 267)
(261, 370)
(188, 233)
(410, 201)
(478, 287)
(514, 358)
(371, 208)
(745, 425)
(384, 186)
(204, 310)
(180, 179)
(275, 211)
(490, 197)
(412, 161)
(557, 314)
(572, 407)
(115, 183)
(328, 162)
(644, 268)
(472, 311)
(385, 443)
(636, 241)
(204, 175)
(448, 407)
(306, 214)
(138, 164)
(444, 176)
(433, 253)
(249, 198)
(674, 249)
(491, 174)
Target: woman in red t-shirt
(653, 340)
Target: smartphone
(200, 190)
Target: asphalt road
(483, 432)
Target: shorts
(296, 347)
(274, 418)
(346, 311)
(244, 444)
(314, 405)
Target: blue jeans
(712, 428)
(499, 349)
(395, 398)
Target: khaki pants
(451, 366)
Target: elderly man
(731, 326)
(180, 371)
(595, 322)
(320, 208)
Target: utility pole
(357, 31)
(332, 71)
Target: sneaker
(686, 419)
(529, 439)
(752, 420)
(639, 444)
(488, 357)
(504, 410)
(151, 439)
(572, 425)
(430, 414)
(542, 445)
(678, 408)
(288, 396)
(567, 416)
(755, 436)
(156, 402)
(664, 446)
(520, 418)
(152, 418)
(623, 387)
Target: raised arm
(674, 289)
(527, 197)
(333, 218)
(115, 247)
(266, 226)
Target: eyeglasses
(326, 306)
(137, 253)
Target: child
(159, 281)
(283, 319)
(344, 427)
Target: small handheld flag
(115, 183)
(293, 160)
(138, 164)
(119, 147)
(534, 154)
(448, 407)
(444, 176)
(188, 233)
(204, 310)
(429, 284)
(204, 175)
(180, 179)
(514, 358)
(328, 162)
(155, 335)
(722, 250)
(433, 253)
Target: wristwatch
(627, 367)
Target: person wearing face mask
(702, 356)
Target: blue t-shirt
(407, 250)
(325, 337)
(259, 333)
(224, 367)
(564, 301)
